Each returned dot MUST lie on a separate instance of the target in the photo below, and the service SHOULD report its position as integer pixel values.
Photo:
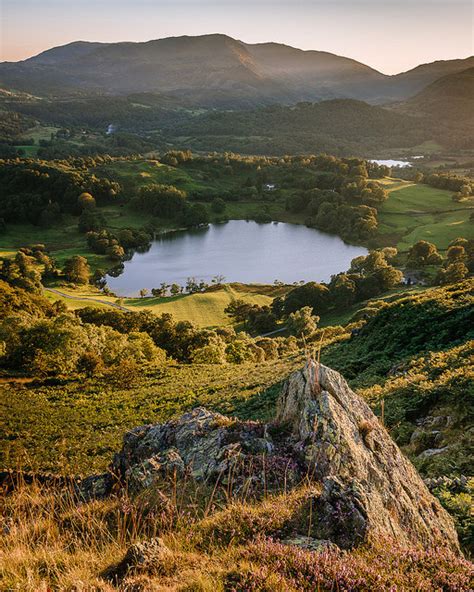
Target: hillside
(346, 125)
(449, 99)
(213, 70)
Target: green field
(76, 426)
(203, 309)
(63, 241)
(419, 212)
(37, 133)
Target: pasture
(416, 212)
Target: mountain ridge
(215, 70)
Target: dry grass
(52, 542)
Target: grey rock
(95, 487)
(310, 543)
(369, 488)
(145, 556)
(323, 432)
(429, 452)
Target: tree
(218, 280)
(218, 205)
(115, 252)
(311, 294)
(175, 289)
(77, 270)
(302, 323)
(86, 201)
(456, 254)
(143, 292)
(423, 253)
(50, 215)
(91, 220)
(343, 290)
(212, 353)
(455, 272)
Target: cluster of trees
(186, 343)
(337, 126)
(166, 201)
(449, 181)
(298, 310)
(368, 276)
(47, 341)
(348, 208)
(254, 318)
(456, 266)
(115, 244)
(39, 192)
(40, 338)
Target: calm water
(394, 163)
(240, 251)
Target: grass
(416, 212)
(63, 241)
(51, 542)
(204, 310)
(74, 426)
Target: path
(86, 299)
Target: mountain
(409, 83)
(451, 98)
(213, 70)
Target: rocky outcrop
(323, 432)
(369, 488)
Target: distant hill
(409, 83)
(451, 98)
(213, 70)
(338, 126)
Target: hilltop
(214, 70)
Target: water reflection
(239, 250)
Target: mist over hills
(215, 71)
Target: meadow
(74, 426)
(416, 212)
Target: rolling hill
(214, 70)
(451, 98)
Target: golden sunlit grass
(51, 541)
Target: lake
(394, 163)
(241, 251)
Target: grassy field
(419, 212)
(204, 310)
(37, 133)
(75, 426)
(63, 241)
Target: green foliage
(302, 323)
(427, 321)
(77, 270)
(35, 191)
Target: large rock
(369, 488)
(323, 432)
(204, 445)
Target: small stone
(310, 543)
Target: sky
(389, 35)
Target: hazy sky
(390, 35)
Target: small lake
(394, 163)
(241, 251)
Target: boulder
(369, 488)
(323, 432)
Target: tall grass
(51, 541)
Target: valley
(236, 319)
